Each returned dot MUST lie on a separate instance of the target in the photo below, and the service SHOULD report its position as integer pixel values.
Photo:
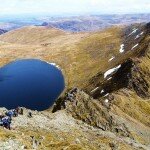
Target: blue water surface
(30, 83)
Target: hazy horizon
(68, 7)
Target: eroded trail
(59, 130)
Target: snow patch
(110, 71)
(94, 89)
(134, 46)
(141, 33)
(134, 31)
(111, 58)
(137, 37)
(102, 91)
(55, 65)
(106, 94)
(121, 48)
(109, 78)
(106, 100)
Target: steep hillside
(31, 35)
(70, 51)
(46, 131)
(118, 97)
(135, 45)
(110, 107)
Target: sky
(73, 6)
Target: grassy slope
(77, 54)
(61, 132)
(81, 56)
(31, 35)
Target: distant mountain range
(94, 22)
(2, 31)
(9, 26)
(75, 23)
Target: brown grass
(77, 54)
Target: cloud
(73, 6)
(121, 6)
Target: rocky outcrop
(94, 112)
(2, 31)
(11, 144)
(138, 82)
(100, 107)
(60, 131)
(130, 74)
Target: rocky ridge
(102, 107)
(110, 112)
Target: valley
(110, 68)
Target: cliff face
(134, 47)
(118, 99)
